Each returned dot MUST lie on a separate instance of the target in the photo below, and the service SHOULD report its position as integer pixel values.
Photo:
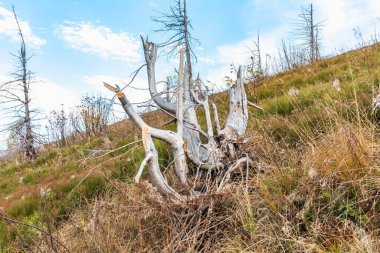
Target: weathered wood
(180, 95)
(173, 139)
(214, 153)
(205, 104)
(150, 53)
(238, 113)
(190, 135)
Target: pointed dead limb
(190, 117)
(212, 154)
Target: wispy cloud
(8, 29)
(100, 40)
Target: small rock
(336, 85)
(293, 92)
(23, 197)
(21, 180)
(72, 176)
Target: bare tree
(57, 127)
(74, 126)
(291, 56)
(308, 31)
(178, 25)
(94, 114)
(255, 69)
(15, 97)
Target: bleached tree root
(219, 149)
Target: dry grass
(321, 197)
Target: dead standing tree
(15, 94)
(308, 32)
(57, 127)
(177, 23)
(216, 155)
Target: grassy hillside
(316, 187)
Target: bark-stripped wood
(173, 139)
(214, 154)
(191, 136)
(150, 53)
(238, 113)
(180, 95)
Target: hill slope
(316, 187)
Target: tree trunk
(29, 141)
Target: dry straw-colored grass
(321, 197)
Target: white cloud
(100, 40)
(47, 95)
(8, 28)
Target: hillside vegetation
(315, 188)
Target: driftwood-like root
(210, 157)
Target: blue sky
(79, 44)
